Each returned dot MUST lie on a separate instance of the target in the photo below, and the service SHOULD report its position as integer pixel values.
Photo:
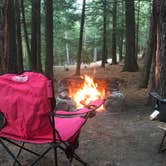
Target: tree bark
(67, 50)
(38, 35)
(104, 49)
(114, 57)
(35, 57)
(162, 24)
(11, 40)
(19, 38)
(1, 37)
(80, 39)
(130, 59)
(156, 58)
(49, 39)
(121, 36)
(137, 31)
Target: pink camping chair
(27, 115)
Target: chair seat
(66, 127)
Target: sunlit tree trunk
(162, 24)
(67, 50)
(80, 39)
(156, 58)
(25, 30)
(121, 36)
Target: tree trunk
(5, 40)
(137, 30)
(121, 47)
(1, 37)
(80, 39)
(35, 58)
(114, 58)
(11, 40)
(25, 30)
(49, 39)
(162, 24)
(130, 59)
(19, 39)
(149, 52)
(156, 58)
(104, 50)
(67, 50)
(38, 36)
(121, 36)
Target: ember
(88, 92)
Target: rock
(115, 101)
(65, 104)
(63, 101)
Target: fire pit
(77, 92)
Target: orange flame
(88, 92)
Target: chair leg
(10, 153)
(19, 152)
(70, 161)
(42, 155)
(71, 154)
(28, 150)
(55, 156)
(162, 143)
(79, 159)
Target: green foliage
(143, 20)
(67, 19)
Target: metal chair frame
(158, 101)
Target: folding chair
(160, 105)
(27, 115)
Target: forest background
(36, 34)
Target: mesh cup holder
(2, 120)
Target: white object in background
(154, 115)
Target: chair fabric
(25, 105)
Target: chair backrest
(25, 103)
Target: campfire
(78, 92)
(89, 91)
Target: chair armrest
(156, 96)
(91, 107)
(78, 112)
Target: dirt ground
(112, 138)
